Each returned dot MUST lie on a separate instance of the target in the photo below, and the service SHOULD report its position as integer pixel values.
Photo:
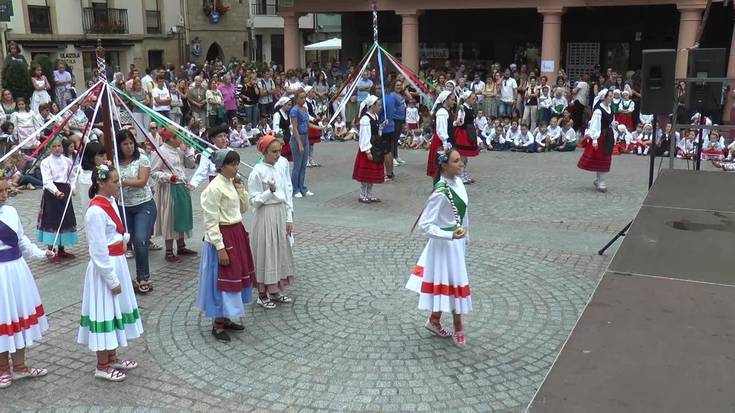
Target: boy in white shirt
(554, 132)
(645, 139)
(247, 134)
(568, 137)
(512, 132)
(686, 148)
(480, 122)
(524, 140)
(497, 141)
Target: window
(89, 60)
(153, 21)
(39, 19)
(155, 58)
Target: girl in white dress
(440, 276)
(40, 89)
(110, 315)
(22, 317)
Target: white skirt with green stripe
(109, 321)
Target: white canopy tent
(331, 44)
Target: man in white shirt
(508, 94)
(266, 86)
(581, 95)
(161, 97)
(478, 86)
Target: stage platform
(659, 332)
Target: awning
(331, 44)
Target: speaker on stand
(657, 92)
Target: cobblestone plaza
(353, 339)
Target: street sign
(6, 10)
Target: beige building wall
(230, 33)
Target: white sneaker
(400, 161)
(640, 150)
(396, 163)
(645, 152)
(309, 193)
(298, 195)
(129, 254)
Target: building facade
(572, 34)
(141, 33)
(216, 29)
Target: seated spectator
(568, 138)
(643, 144)
(524, 141)
(686, 148)
(624, 141)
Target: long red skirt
(367, 171)
(625, 119)
(595, 160)
(286, 151)
(431, 164)
(240, 274)
(462, 141)
(315, 136)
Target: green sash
(459, 203)
(183, 214)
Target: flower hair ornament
(103, 171)
(442, 157)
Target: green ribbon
(110, 325)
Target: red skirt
(240, 274)
(367, 171)
(315, 135)
(286, 151)
(431, 165)
(625, 119)
(595, 160)
(463, 144)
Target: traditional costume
(315, 134)
(626, 107)
(22, 317)
(282, 127)
(173, 200)
(365, 171)
(443, 129)
(223, 290)
(465, 135)
(269, 241)
(599, 131)
(440, 276)
(56, 171)
(108, 321)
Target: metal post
(652, 154)
(698, 161)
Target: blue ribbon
(382, 81)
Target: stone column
(727, 112)
(689, 20)
(551, 41)
(410, 38)
(291, 42)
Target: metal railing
(39, 19)
(104, 20)
(153, 22)
(261, 9)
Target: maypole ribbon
(38, 131)
(352, 88)
(352, 77)
(113, 110)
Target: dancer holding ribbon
(440, 277)
(22, 317)
(110, 315)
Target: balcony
(153, 22)
(263, 9)
(105, 20)
(39, 19)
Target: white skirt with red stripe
(22, 318)
(440, 277)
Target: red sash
(118, 248)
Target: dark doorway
(215, 52)
(155, 58)
(277, 48)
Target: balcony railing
(105, 20)
(260, 9)
(39, 19)
(153, 22)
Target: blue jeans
(140, 219)
(298, 173)
(506, 109)
(30, 179)
(251, 112)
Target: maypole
(380, 58)
(107, 129)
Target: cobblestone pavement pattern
(353, 339)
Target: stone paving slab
(353, 339)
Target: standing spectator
(508, 94)
(161, 97)
(8, 104)
(300, 145)
(176, 104)
(364, 85)
(267, 88)
(478, 87)
(399, 116)
(140, 210)
(249, 99)
(581, 94)
(197, 97)
(141, 96)
(25, 124)
(129, 83)
(62, 82)
(530, 109)
(227, 89)
(40, 88)
(215, 105)
(183, 89)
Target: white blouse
(594, 129)
(56, 169)
(438, 212)
(102, 232)
(442, 122)
(259, 192)
(366, 132)
(10, 217)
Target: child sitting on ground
(524, 140)
(686, 148)
(568, 137)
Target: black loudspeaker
(705, 63)
(657, 81)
